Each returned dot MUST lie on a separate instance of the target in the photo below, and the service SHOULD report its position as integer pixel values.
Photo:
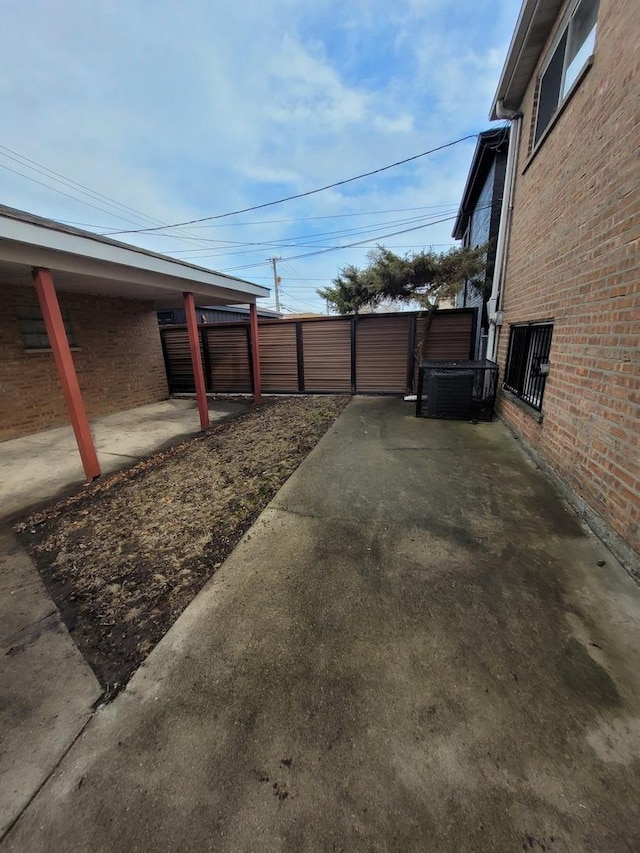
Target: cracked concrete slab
(47, 690)
(407, 652)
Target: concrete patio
(417, 647)
(36, 468)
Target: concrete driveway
(414, 649)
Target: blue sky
(184, 110)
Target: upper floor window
(565, 62)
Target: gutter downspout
(504, 228)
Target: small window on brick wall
(565, 62)
(33, 331)
(528, 362)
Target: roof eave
(480, 165)
(533, 27)
(36, 244)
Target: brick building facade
(118, 359)
(79, 333)
(573, 259)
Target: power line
(289, 267)
(326, 216)
(322, 235)
(371, 239)
(325, 278)
(41, 169)
(358, 243)
(195, 254)
(308, 192)
(122, 211)
(61, 192)
(351, 245)
(277, 221)
(297, 299)
(352, 231)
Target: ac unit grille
(460, 390)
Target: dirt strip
(123, 558)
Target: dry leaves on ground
(124, 559)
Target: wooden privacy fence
(367, 354)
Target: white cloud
(184, 110)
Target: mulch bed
(124, 557)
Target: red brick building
(108, 354)
(116, 351)
(566, 300)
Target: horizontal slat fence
(228, 359)
(450, 334)
(382, 349)
(371, 353)
(177, 358)
(327, 356)
(278, 357)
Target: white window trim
(538, 145)
(563, 99)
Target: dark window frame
(33, 331)
(528, 361)
(553, 89)
(165, 317)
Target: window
(33, 331)
(528, 362)
(568, 58)
(165, 318)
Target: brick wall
(574, 257)
(119, 361)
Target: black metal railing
(528, 362)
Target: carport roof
(90, 263)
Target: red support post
(255, 353)
(196, 359)
(54, 325)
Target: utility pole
(276, 281)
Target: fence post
(300, 356)
(255, 353)
(208, 379)
(353, 355)
(411, 355)
(474, 332)
(167, 363)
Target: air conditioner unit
(460, 390)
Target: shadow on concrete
(47, 690)
(43, 466)
(416, 647)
